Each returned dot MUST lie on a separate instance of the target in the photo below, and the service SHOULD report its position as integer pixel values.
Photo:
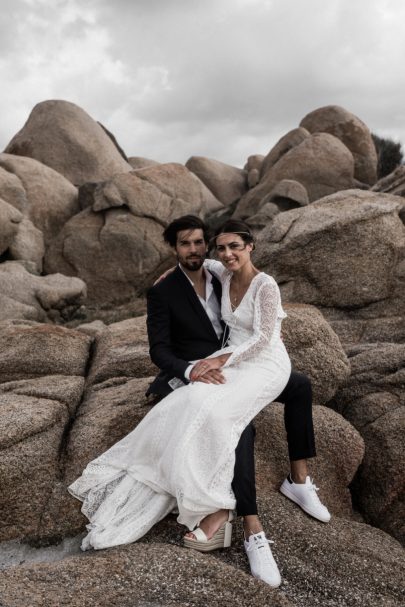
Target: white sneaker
(305, 495)
(262, 564)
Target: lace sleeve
(215, 267)
(267, 303)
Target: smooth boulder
(339, 252)
(352, 132)
(49, 199)
(63, 136)
(226, 182)
(289, 141)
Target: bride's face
(233, 251)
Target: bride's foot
(215, 531)
(210, 524)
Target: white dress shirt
(211, 306)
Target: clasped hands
(208, 370)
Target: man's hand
(162, 276)
(214, 376)
(204, 365)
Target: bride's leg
(211, 523)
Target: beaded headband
(220, 234)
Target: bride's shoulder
(263, 278)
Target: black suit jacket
(179, 329)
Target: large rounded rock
(49, 199)
(289, 141)
(226, 182)
(340, 450)
(288, 194)
(24, 295)
(372, 399)
(315, 350)
(352, 132)
(115, 245)
(64, 137)
(321, 163)
(179, 183)
(338, 252)
(115, 253)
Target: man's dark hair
(186, 222)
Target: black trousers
(297, 400)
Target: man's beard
(192, 263)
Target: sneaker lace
(261, 543)
(314, 489)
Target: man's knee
(298, 389)
(247, 438)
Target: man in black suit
(184, 324)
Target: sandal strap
(199, 535)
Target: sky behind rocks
(217, 78)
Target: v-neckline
(243, 298)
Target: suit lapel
(188, 289)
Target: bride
(182, 454)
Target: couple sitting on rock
(215, 333)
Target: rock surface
(226, 182)
(352, 132)
(137, 162)
(116, 245)
(289, 141)
(338, 252)
(9, 224)
(394, 183)
(64, 137)
(38, 394)
(179, 183)
(315, 350)
(336, 440)
(288, 194)
(43, 195)
(144, 575)
(24, 295)
(321, 163)
(373, 400)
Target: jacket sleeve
(160, 347)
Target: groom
(184, 324)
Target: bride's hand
(169, 271)
(207, 364)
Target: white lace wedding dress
(182, 454)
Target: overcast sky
(217, 78)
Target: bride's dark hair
(235, 226)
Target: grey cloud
(239, 74)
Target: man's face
(191, 249)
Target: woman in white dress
(182, 453)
